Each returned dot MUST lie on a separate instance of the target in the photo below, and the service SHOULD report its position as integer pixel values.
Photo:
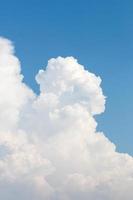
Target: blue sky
(98, 33)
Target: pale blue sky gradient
(98, 33)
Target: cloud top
(49, 146)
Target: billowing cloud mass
(49, 146)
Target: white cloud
(49, 147)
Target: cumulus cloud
(49, 146)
